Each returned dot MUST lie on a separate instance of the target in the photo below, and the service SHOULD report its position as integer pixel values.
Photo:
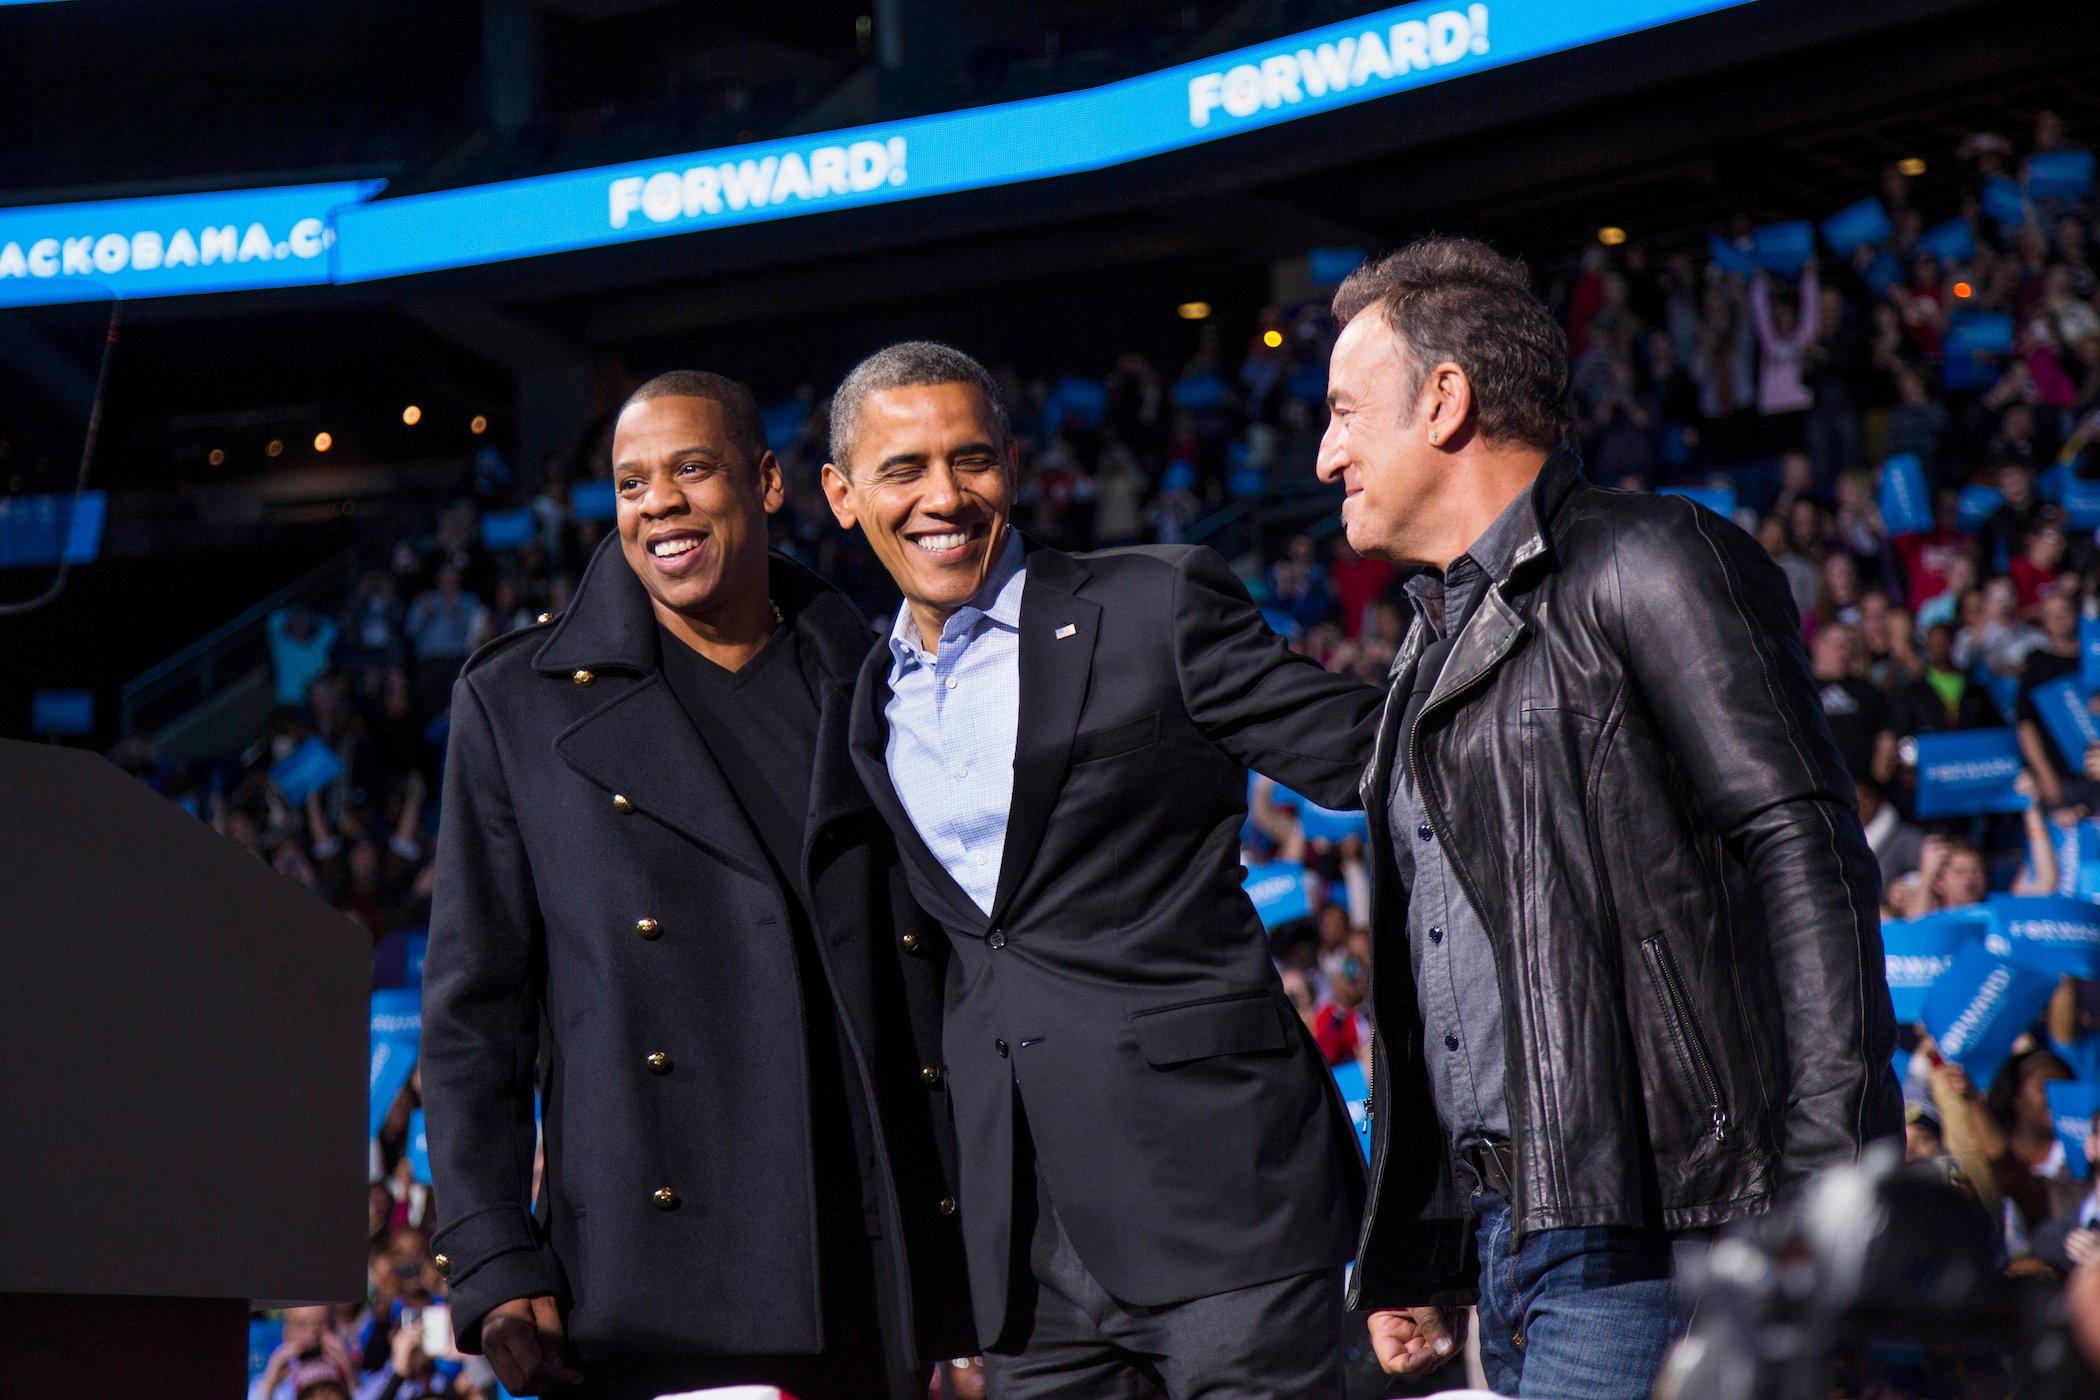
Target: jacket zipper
(1679, 1007)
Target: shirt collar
(998, 601)
(1493, 554)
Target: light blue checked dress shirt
(952, 721)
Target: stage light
(412, 415)
(1272, 339)
(1611, 235)
(478, 426)
(322, 442)
(217, 457)
(1911, 166)
(1193, 311)
(275, 449)
(1964, 290)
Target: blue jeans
(1580, 1314)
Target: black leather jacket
(1626, 761)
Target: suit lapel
(643, 746)
(868, 742)
(1058, 630)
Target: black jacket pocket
(1116, 739)
(1248, 1023)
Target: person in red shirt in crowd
(1339, 1024)
(1926, 554)
(1358, 583)
(2039, 567)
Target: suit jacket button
(622, 805)
(443, 1262)
(583, 677)
(931, 1074)
(658, 1062)
(1000, 1046)
(998, 938)
(948, 1205)
(648, 928)
(544, 618)
(909, 943)
(665, 1198)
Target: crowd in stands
(1774, 394)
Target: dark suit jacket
(538, 956)
(1186, 1126)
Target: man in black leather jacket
(1627, 973)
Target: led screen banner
(233, 241)
(170, 245)
(1372, 56)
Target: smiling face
(1374, 446)
(932, 487)
(691, 507)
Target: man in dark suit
(1159, 1181)
(665, 903)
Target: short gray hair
(908, 364)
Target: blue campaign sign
(1326, 267)
(305, 770)
(397, 1031)
(1729, 256)
(1883, 272)
(593, 500)
(1967, 772)
(1356, 60)
(509, 529)
(1856, 225)
(417, 946)
(2089, 652)
(1278, 892)
(1953, 241)
(2049, 934)
(265, 1334)
(171, 245)
(62, 712)
(2004, 202)
(1355, 1089)
(2072, 1104)
(1916, 951)
(1718, 499)
(1981, 1004)
(1979, 333)
(2065, 709)
(1977, 505)
(2078, 859)
(2060, 174)
(418, 1147)
(2081, 502)
(1783, 248)
(1326, 824)
(1906, 503)
(38, 531)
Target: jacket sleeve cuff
(491, 1257)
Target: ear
(1446, 404)
(838, 490)
(772, 485)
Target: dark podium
(183, 1064)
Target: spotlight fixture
(1193, 311)
(412, 415)
(1912, 166)
(1611, 235)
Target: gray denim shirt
(1454, 963)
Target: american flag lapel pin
(1066, 631)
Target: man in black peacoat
(610, 931)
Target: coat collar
(610, 626)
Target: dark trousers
(1066, 1338)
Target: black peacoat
(607, 932)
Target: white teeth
(934, 544)
(671, 549)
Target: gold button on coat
(648, 928)
(931, 1074)
(443, 1262)
(910, 942)
(658, 1062)
(544, 618)
(947, 1205)
(622, 805)
(583, 677)
(665, 1198)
